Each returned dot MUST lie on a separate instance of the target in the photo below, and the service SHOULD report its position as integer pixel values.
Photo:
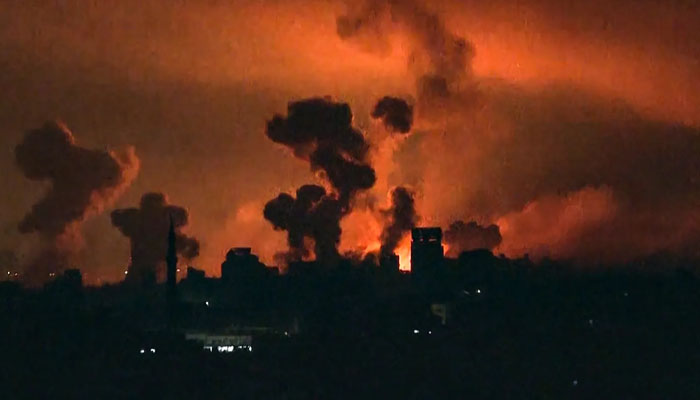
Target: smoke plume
(81, 183)
(531, 154)
(147, 229)
(440, 59)
(395, 113)
(570, 174)
(312, 214)
(461, 236)
(402, 218)
(319, 131)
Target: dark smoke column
(312, 214)
(147, 229)
(82, 182)
(319, 131)
(401, 219)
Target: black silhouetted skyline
(350, 199)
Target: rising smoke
(542, 162)
(81, 183)
(461, 236)
(312, 214)
(397, 116)
(440, 60)
(147, 229)
(319, 131)
(401, 218)
(395, 113)
(584, 178)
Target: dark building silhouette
(73, 278)
(427, 254)
(241, 264)
(303, 268)
(389, 263)
(194, 274)
(171, 263)
(66, 289)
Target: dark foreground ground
(655, 361)
(550, 365)
(553, 341)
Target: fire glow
(576, 142)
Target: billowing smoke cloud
(561, 226)
(147, 229)
(569, 174)
(312, 214)
(402, 218)
(319, 131)
(82, 182)
(440, 59)
(461, 236)
(596, 224)
(533, 154)
(395, 113)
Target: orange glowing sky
(191, 84)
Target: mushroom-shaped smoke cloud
(147, 229)
(319, 131)
(82, 182)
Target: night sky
(573, 126)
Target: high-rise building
(427, 253)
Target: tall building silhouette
(427, 253)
